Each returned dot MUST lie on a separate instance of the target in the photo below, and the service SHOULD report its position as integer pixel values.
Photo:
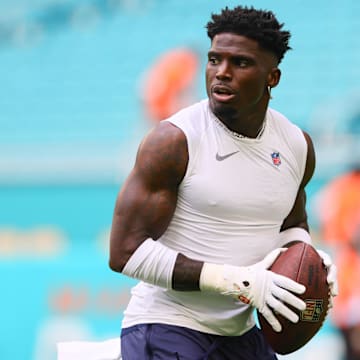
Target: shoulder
(194, 122)
(299, 141)
(166, 150)
(282, 121)
(192, 118)
(171, 135)
(163, 155)
(163, 135)
(288, 130)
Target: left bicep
(298, 215)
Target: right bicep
(141, 210)
(147, 200)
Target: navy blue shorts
(168, 342)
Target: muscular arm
(147, 201)
(298, 216)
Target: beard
(223, 112)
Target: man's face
(237, 75)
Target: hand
(331, 277)
(257, 286)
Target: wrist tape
(295, 233)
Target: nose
(223, 71)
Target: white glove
(257, 286)
(331, 276)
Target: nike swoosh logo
(223, 157)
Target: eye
(241, 62)
(213, 60)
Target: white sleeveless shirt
(231, 203)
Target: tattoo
(164, 159)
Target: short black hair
(259, 25)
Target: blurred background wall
(77, 83)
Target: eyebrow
(212, 53)
(232, 56)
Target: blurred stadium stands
(71, 118)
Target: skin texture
(147, 200)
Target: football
(302, 263)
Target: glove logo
(244, 299)
(313, 311)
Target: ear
(274, 77)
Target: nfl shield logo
(313, 311)
(275, 156)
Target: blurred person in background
(168, 84)
(216, 191)
(339, 214)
